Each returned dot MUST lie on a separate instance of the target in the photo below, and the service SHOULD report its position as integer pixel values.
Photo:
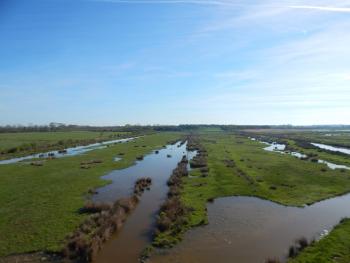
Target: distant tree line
(54, 127)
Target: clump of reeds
(104, 220)
(141, 185)
(300, 245)
(273, 187)
(172, 213)
(37, 163)
(198, 161)
(230, 163)
(87, 240)
(210, 200)
(92, 191)
(91, 207)
(91, 162)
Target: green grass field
(340, 138)
(38, 205)
(281, 178)
(19, 144)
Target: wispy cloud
(192, 2)
(323, 8)
(231, 3)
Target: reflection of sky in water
(69, 151)
(276, 147)
(249, 229)
(332, 148)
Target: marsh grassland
(239, 166)
(25, 143)
(39, 205)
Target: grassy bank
(331, 137)
(299, 141)
(333, 248)
(239, 166)
(24, 143)
(39, 205)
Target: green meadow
(280, 178)
(24, 143)
(39, 204)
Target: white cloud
(323, 8)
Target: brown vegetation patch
(230, 163)
(141, 185)
(300, 245)
(172, 212)
(37, 163)
(105, 219)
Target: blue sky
(107, 62)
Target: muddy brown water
(250, 230)
(240, 229)
(136, 233)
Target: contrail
(323, 8)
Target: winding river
(250, 230)
(136, 233)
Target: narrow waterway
(280, 148)
(67, 152)
(331, 148)
(250, 230)
(135, 235)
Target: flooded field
(249, 229)
(332, 148)
(135, 235)
(240, 228)
(280, 148)
(67, 152)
